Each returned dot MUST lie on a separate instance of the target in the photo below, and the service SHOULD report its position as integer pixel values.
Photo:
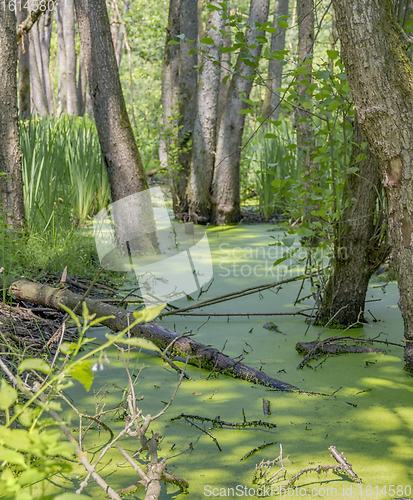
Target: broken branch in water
(343, 466)
(120, 319)
(235, 295)
(217, 422)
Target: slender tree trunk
(45, 62)
(205, 128)
(24, 67)
(186, 105)
(38, 95)
(69, 37)
(81, 87)
(361, 247)
(226, 183)
(61, 51)
(170, 82)
(271, 106)
(305, 136)
(11, 184)
(225, 71)
(381, 80)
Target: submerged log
(327, 348)
(200, 354)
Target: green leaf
(68, 347)
(8, 395)
(83, 373)
(34, 364)
(332, 54)
(271, 136)
(281, 259)
(27, 416)
(134, 342)
(283, 24)
(71, 314)
(99, 320)
(305, 231)
(149, 314)
(31, 476)
(11, 456)
(207, 41)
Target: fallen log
(326, 348)
(200, 354)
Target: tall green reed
(275, 169)
(64, 176)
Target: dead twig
(235, 295)
(343, 466)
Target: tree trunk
(61, 51)
(361, 247)
(119, 149)
(45, 62)
(225, 71)
(271, 106)
(11, 184)
(170, 83)
(39, 97)
(69, 37)
(226, 183)
(24, 67)
(134, 219)
(205, 128)
(305, 136)
(186, 105)
(200, 355)
(381, 80)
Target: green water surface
(369, 417)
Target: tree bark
(226, 182)
(61, 53)
(69, 37)
(361, 246)
(24, 66)
(11, 184)
(225, 71)
(305, 136)
(200, 354)
(36, 66)
(187, 100)
(170, 82)
(205, 128)
(381, 80)
(119, 149)
(271, 106)
(45, 62)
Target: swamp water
(369, 415)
